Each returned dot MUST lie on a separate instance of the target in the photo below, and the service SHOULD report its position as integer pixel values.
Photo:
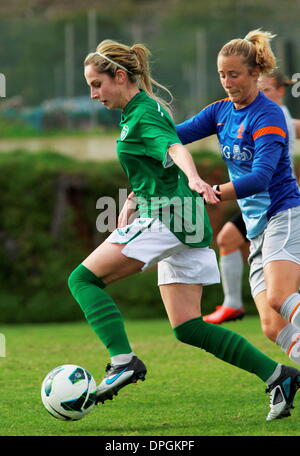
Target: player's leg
(278, 279)
(283, 280)
(126, 251)
(277, 329)
(87, 282)
(271, 322)
(182, 303)
(232, 246)
(281, 261)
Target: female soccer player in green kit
(172, 231)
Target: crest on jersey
(240, 131)
(124, 132)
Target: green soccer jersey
(160, 186)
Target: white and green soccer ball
(69, 392)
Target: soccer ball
(69, 392)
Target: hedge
(48, 226)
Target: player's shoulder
(268, 106)
(268, 118)
(151, 111)
(142, 110)
(223, 102)
(268, 111)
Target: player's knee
(269, 329)
(73, 280)
(224, 239)
(77, 279)
(221, 239)
(80, 277)
(275, 300)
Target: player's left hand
(127, 212)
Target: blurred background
(57, 147)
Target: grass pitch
(188, 392)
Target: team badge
(124, 132)
(240, 131)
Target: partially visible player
(232, 238)
(159, 168)
(253, 138)
(274, 86)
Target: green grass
(188, 392)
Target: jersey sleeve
(269, 135)
(158, 133)
(197, 127)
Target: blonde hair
(255, 48)
(112, 55)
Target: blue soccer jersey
(254, 145)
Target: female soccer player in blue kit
(157, 165)
(232, 239)
(253, 139)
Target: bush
(47, 227)
(48, 214)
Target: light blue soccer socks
(290, 309)
(288, 340)
(231, 268)
(100, 310)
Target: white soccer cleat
(282, 393)
(119, 376)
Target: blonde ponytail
(255, 48)
(111, 55)
(146, 82)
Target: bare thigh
(108, 262)
(182, 302)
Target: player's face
(238, 81)
(269, 87)
(104, 88)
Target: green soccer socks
(100, 310)
(227, 346)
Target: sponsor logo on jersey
(236, 153)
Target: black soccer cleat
(282, 393)
(119, 376)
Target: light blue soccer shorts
(279, 241)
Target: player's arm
(258, 179)
(183, 159)
(225, 192)
(127, 211)
(162, 143)
(197, 127)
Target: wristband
(217, 187)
